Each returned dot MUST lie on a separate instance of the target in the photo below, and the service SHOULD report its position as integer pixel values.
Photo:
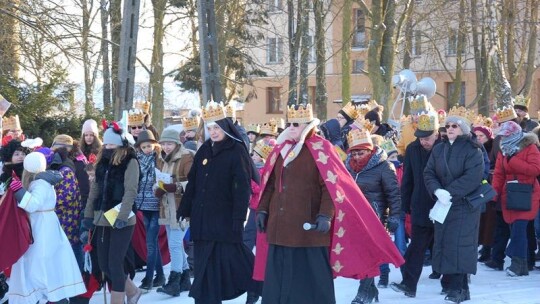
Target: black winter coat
(218, 191)
(378, 182)
(457, 168)
(415, 199)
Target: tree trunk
(532, 50)
(409, 37)
(115, 11)
(454, 99)
(9, 40)
(304, 54)
(346, 53)
(499, 84)
(321, 97)
(87, 65)
(509, 24)
(294, 44)
(156, 65)
(387, 57)
(107, 106)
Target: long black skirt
(223, 271)
(298, 276)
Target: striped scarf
(509, 144)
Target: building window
(274, 50)
(275, 6)
(359, 38)
(273, 100)
(417, 43)
(451, 49)
(358, 67)
(312, 55)
(450, 90)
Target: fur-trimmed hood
(527, 140)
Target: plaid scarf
(509, 144)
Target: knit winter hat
(508, 128)
(487, 131)
(35, 162)
(170, 135)
(113, 138)
(8, 150)
(48, 153)
(463, 123)
(90, 125)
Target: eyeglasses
(294, 124)
(136, 127)
(451, 126)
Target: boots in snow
(146, 284)
(252, 297)
(518, 267)
(185, 282)
(367, 292)
(485, 254)
(383, 280)
(456, 296)
(159, 280)
(172, 287)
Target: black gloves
(87, 223)
(261, 221)
(392, 223)
(238, 225)
(322, 224)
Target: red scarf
(358, 164)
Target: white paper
(163, 177)
(439, 212)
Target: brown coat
(178, 167)
(303, 196)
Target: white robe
(48, 269)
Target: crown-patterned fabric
(505, 114)
(190, 123)
(135, 117)
(213, 111)
(11, 123)
(304, 114)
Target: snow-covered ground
(487, 286)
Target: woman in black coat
(216, 201)
(377, 179)
(455, 169)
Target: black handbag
(518, 196)
(483, 194)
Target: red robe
(359, 242)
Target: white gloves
(443, 196)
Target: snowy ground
(488, 286)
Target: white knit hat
(90, 125)
(35, 162)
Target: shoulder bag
(518, 195)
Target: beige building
(268, 95)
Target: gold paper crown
(405, 120)
(520, 100)
(269, 128)
(144, 106)
(11, 123)
(230, 111)
(363, 123)
(462, 112)
(505, 114)
(304, 114)
(420, 104)
(357, 137)
(190, 123)
(428, 121)
(254, 128)
(388, 145)
(350, 110)
(135, 117)
(263, 149)
(481, 120)
(362, 110)
(213, 111)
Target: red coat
(525, 167)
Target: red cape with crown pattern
(359, 242)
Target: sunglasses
(294, 124)
(451, 126)
(136, 127)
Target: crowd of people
(346, 197)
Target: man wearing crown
(317, 222)
(521, 106)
